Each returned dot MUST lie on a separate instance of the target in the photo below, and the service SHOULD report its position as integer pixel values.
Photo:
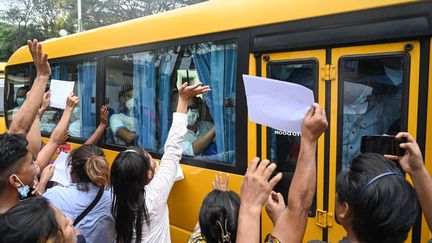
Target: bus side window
(119, 92)
(83, 120)
(18, 84)
(372, 100)
(285, 146)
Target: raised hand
(71, 101)
(40, 59)
(412, 161)
(256, 186)
(219, 183)
(103, 117)
(274, 206)
(186, 92)
(46, 99)
(314, 124)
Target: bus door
(281, 147)
(374, 90)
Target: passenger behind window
(20, 98)
(123, 123)
(200, 134)
(372, 105)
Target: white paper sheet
(277, 104)
(61, 171)
(60, 90)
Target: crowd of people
(128, 202)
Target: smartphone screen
(381, 144)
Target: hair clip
(226, 236)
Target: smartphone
(382, 144)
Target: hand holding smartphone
(382, 144)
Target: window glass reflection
(372, 100)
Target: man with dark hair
(17, 170)
(374, 202)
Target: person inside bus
(257, 187)
(413, 164)
(139, 206)
(89, 172)
(21, 94)
(218, 214)
(36, 220)
(200, 134)
(371, 104)
(123, 124)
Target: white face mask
(130, 105)
(192, 115)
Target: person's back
(374, 202)
(90, 175)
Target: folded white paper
(277, 104)
(60, 90)
(61, 171)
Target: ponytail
(97, 170)
(88, 165)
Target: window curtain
(144, 92)
(87, 90)
(216, 66)
(165, 68)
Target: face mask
(20, 101)
(192, 116)
(24, 190)
(130, 105)
(355, 98)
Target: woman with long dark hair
(140, 193)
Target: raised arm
(26, 115)
(94, 138)
(165, 175)
(291, 225)
(412, 163)
(59, 133)
(34, 136)
(254, 192)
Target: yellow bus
(368, 63)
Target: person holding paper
(89, 172)
(123, 124)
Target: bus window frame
(242, 39)
(32, 76)
(315, 61)
(340, 85)
(240, 165)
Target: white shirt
(158, 190)
(121, 120)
